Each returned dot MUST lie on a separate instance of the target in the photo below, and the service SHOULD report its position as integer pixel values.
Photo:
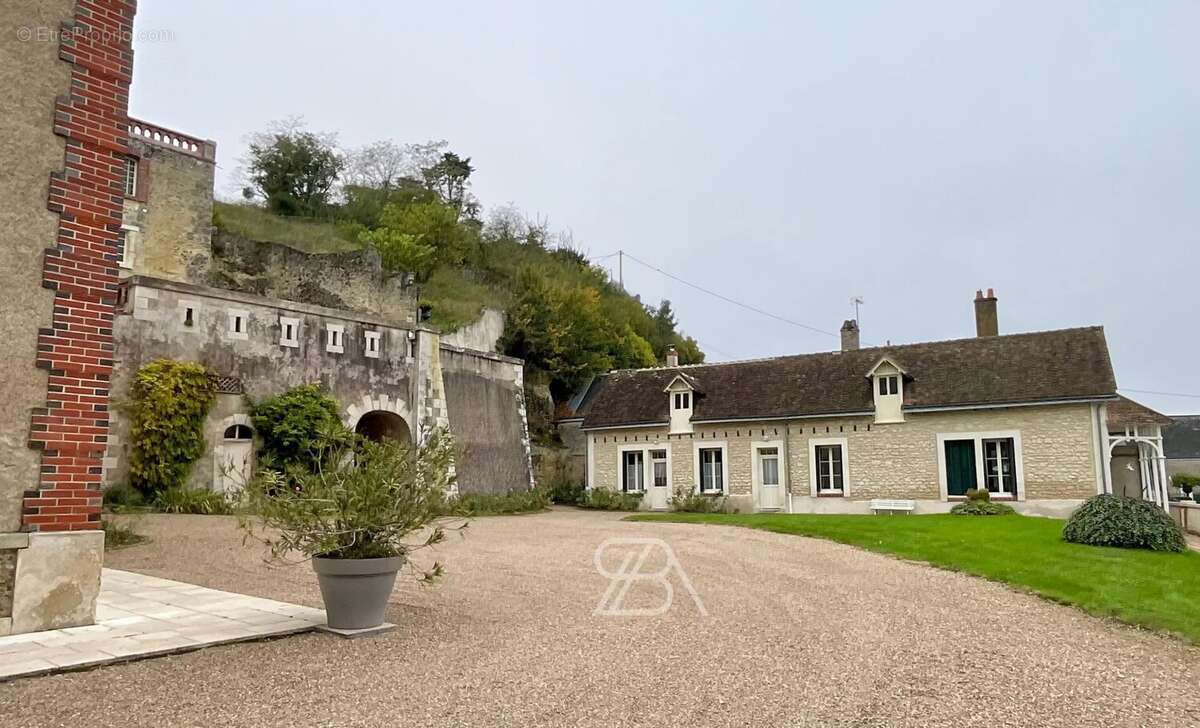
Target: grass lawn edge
(1128, 615)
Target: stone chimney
(850, 335)
(672, 357)
(986, 323)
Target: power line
(1164, 394)
(727, 299)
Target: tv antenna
(856, 301)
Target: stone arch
(379, 425)
(375, 410)
(236, 419)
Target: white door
(658, 493)
(770, 488)
(232, 459)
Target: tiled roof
(1124, 412)
(1181, 439)
(1018, 368)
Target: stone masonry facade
(882, 460)
(81, 269)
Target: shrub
(687, 500)
(1110, 520)
(567, 493)
(168, 403)
(122, 498)
(117, 536)
(364, 502)
(495, 504)
(292, 423)
(979, 503)
(603, 499)
(981, 508)
(1185, 481)
(191, 500)
(555, 472)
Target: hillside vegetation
(413, 204)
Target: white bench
(891, 505)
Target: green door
(960, 466)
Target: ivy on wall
(169, 401)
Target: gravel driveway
(798, 632)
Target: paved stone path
(142, 616)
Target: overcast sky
(789, 155)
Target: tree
(383, 164)
(401, 251)
(560, 330)
(688, 350)
(633, 351)
(292, 169)
(449, 177)
(431, 225)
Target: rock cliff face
(353, 281)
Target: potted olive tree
(358, 513)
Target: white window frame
(130, 181)
(372, 343)
(647, 465)
(756, 464)
(235, 315)
(132, 235)
(813, 468)
(335, 332)
(666, 460)
(621, 452)
(237, 439)
(284, 322)
(721, 445)
(182, 307)
(980, 478)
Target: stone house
(1022, 415)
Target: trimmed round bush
(979, 503)
(981, 507)
(1110, 520)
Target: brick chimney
(850, 335)
(986, 323)
(672, 357)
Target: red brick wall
(81, 269)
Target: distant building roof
(1070, 364)
(1181, 438)
(1124, 412)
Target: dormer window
(680, 395)
(888, 384)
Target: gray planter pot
(356, 591)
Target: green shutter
(960, 466)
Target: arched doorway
(233, 456)
(380, 425)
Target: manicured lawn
(1156, 590)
